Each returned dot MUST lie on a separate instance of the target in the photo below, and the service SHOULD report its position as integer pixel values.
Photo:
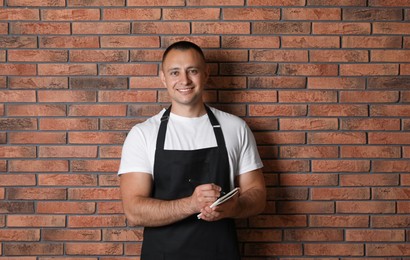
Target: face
(184, 74)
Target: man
(178, 162)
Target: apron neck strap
(214, 122)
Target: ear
(162, 76)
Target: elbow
(133, 221)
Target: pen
(200, 183)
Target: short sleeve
(249, 158)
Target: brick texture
(324, 85)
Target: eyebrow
(178, 68)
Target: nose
(184, 78)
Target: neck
(188, 111)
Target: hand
(204, 195)
(227, 209)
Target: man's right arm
(142, 210)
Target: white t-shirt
(185, 133)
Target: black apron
(190, 238)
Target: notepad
(222, 199)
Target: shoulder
(147, 128)
(228, 120)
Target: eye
(174, 73)
(193, 71)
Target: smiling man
(178, 162)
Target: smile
(185, 90)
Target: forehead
(188, 57)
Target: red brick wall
(325, 85)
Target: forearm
(150, 212)
(251, 203)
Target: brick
(390, 28)
(372, 14)
(308, 152)
(339, 56)
(277, 110)
(226, 55)
(390, 55)
(310, 42)
(18, 152)
(35, 221)
(67, 179)
(96, 221)
(390, 110)
(287, 194)
(279, 55)
(403, 207)
(128, 69)
(110, 151)
(97, 3)
(247, 96)
(36, 110)
(37, 249)
(3, 82)
(146, 55)
(304, 207)
(70, 14)
(341, 28)
(38, 83)
(311, 14)
(20, 235)
(308, 179)
(127, 96)
(389, 83)
(369, 96)
(369, 180)
(17, 96)
(40, 28)
(336, 83)
(365, 207)
(313, 235)
(226, 83)
(97, 110)
(276, 3)
(308, 69)
(192, 14)
(66, 96)
(94, 249)
(390, 193)
(101, 28)
(70, 42)
(340, 193)
(98, 83)
(99, 56)
(280, 138)
(340, 166)
(404, 69)
(388, 3)
(278, 82)
(370, 124)
(251, 14)
(4, 28)
(69, 124)
(272, 249)
(220, 27)
(16, 208)
(71, 235)
(250, 42)
(110, 207)
(281, 28)
(68, 151)
(37, 138)
(37, 165)
(67, 69)
(122, 235)
(372, 42)
(161, 28)
(286, 166)
(132, 14)
(144, 110)
(247, 69)
(46, 207)
(205, 41)
(22, 180)
(370, 152)
(129, 41)
(18, 124)
(334, 249)
(337, 2)
(95, 165)
(339, 110)
(51, 3)
(368, 69)
(396, 221)
(391, 166)
(344, 221)
(18, 69)
(402, 249)
(156, 3)
(262, 123)
(307, 96)
(375, 235)
(96, 138)
(36, 193)
(19, 14)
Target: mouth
(185, 90)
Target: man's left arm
(250, 201)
